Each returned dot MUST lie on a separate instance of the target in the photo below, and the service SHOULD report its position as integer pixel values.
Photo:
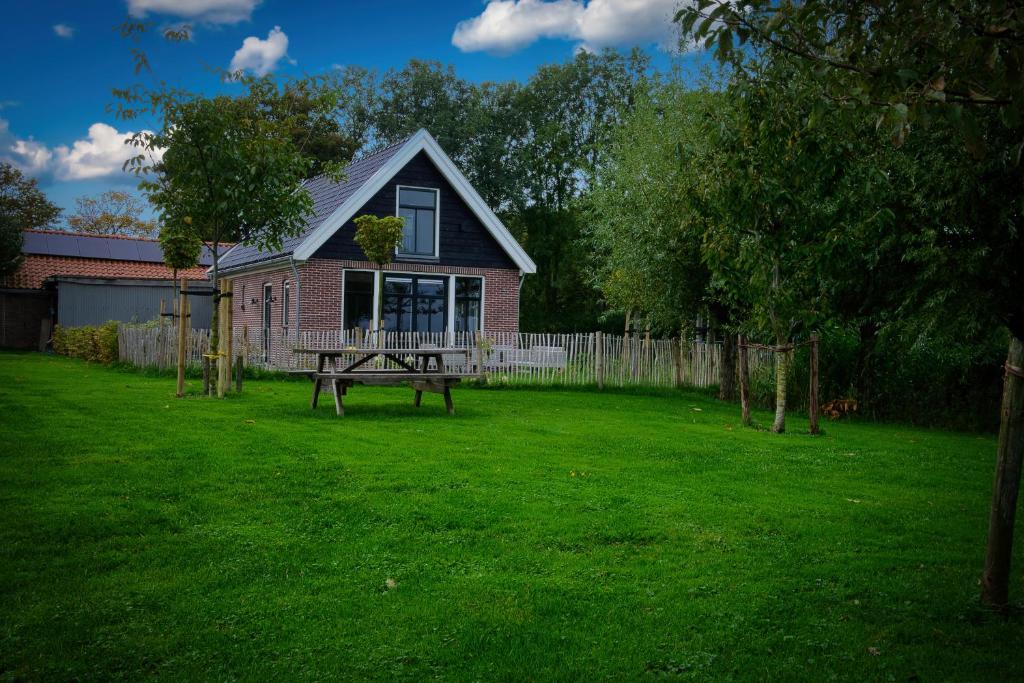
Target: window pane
(398, 313)
(468, 287)
(408, 245)
(424, 231)
(467, 316)
(358, 294)
(418, 198)
(430, 288)
(397, 285)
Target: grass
(534, 535)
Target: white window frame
(376, 306)
(451, 302)
(437, 222)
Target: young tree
(228, 171)
(924, 62)
(378, 238)
(111, 213)
(23, 206)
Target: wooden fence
(506, 358)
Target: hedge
(97, 344)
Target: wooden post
(160, 336)
(813, 403)
(239, 369)
(995, 582)
(599, 359)
(245, 342)
(183, 327)
(206, 374)
(744, 380)
(222, 366)
(229, 331)
(677, 363)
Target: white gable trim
(421, 141)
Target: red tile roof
(36, 268)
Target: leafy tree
(23, 206)
(228, 171)
(927, 61)
(111, 213)
(378, 238)
(181, 248)
(310, 111)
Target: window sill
(417, 259)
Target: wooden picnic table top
(391, 352)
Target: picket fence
(505, 357)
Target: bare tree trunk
(727, 379)
(995, 582)
(781, 366)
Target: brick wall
(321, 294)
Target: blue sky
(55, 93)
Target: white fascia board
(421, 141)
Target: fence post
(744, 380)
(206, 374)
(229, 324)
(183, 325)
(239, 369)
(599, 359)
(677, 363)
(813, 407)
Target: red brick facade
(37, 267)
(321, 294)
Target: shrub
(96, 344)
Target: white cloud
(509, 25)
(206, 11)
(102, 153)
(261, 56)
(63, 30)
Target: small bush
(96, 344)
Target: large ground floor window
(414, 302)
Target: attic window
(418, 207)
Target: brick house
(457, 269)
(83, 279)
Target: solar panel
(61, 245)
(124, 250)
(150, 251)
(35, 243)
(93, 247)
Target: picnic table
(423, 368)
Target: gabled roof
(109, 247)
(335, 203)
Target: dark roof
(113, 248)
(327, 197)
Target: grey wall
(85, 302)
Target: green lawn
(534, 535)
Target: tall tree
(111, 213)
(23, 206)
(228, 171)
(921, 62)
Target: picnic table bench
(423, 368)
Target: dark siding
(464, 240)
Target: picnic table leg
(419, 397)
(317, 382)
(338, 391)
(448, 401)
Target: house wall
(464, 241)
(321, 281)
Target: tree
(23, 206)
(928, 62)
(378, 238)
(228, 171)
(111, 213)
